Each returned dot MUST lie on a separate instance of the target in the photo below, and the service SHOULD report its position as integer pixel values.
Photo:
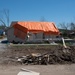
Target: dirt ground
(65, 66)
(42, 69)
(55, 54)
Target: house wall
(10, 34)
(35, 37)
(50, 36)
(29, 37)
(40, 36)
(11, 37)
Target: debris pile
(39, 55)
(48, 58)
(60, 56)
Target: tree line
(67, 26)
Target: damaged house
(22, 32)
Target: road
(43, 69)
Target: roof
(35, 27)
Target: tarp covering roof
(35, 27)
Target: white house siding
(30, 36)
(35, 37)
(10, 34)
(39, 35)
(50, 36)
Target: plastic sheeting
(22, 28)
(19, 33)
(35, 27)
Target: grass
(34, 46)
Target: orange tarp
(21, 28)
(35, 27)
(19, 33)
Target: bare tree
(4, 17)
(72, 26)
(64, 26)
